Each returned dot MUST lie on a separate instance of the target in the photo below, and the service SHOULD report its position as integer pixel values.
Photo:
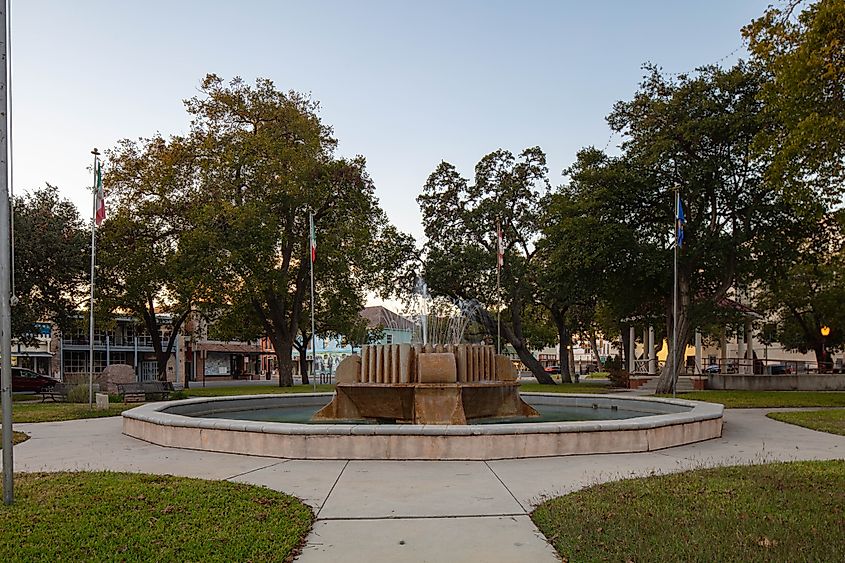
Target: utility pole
(5, 273)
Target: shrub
(78, 394)
(180, 394)
(618, 377)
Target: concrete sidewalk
(418, 510)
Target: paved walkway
(374, 511)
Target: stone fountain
(425, 384)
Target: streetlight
(825, 330)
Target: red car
(28, 380)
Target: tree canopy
(803, 56)
(51, 261)
(266, 162)
(460, 219)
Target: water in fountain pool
(548, 413)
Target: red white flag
(500, 247)
(313, 238)
(100, 195)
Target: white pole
(313, 333)
(675, 302)
(499, 288)
(96, 153)
(652, 355)
(5, 279)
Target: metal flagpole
(5, 278)
(675, 300)
(499, 286)
(311, 236)
(96, 154)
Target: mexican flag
(313, 238)
(100, 201)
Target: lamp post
(825, 332)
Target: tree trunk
(564, 340)
(591, 334)
(303, 357)
(284, 348)
(303, 361)
(162, 355)
(822, 357)
(514, 337)
(667, 379)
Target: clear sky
(406, 84)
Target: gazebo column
(749, 346)
(632, 338)
(652, 355)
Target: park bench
(145, 391)
(56, 393)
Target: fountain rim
(698, 411)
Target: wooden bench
(145, 391)
(57, 392)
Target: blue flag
(679, 224)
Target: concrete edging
(675, 422)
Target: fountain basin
(182, 424)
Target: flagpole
(499, 287)
(311, 244)
(96, 154)
(675, 299)
(5, 275)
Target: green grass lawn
(832, 421)
(564, 388)
(196, 390)
(766, 399)
(776, 512)
(131, 517)
(596, 375)
(53, 412)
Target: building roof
(380, 316)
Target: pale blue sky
(406, 84)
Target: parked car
(28, 380)
(711, 369)
(554, 370)
(779, 369)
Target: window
(388, 339)
(149, 370)
(76, 361)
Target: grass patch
(596, 375)
(25, 397)
(832, 421)
(252, 390)
(17, 438)
(54, 412)
(564, 388)
(131, 517)
(776, 512)
(768, 399)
